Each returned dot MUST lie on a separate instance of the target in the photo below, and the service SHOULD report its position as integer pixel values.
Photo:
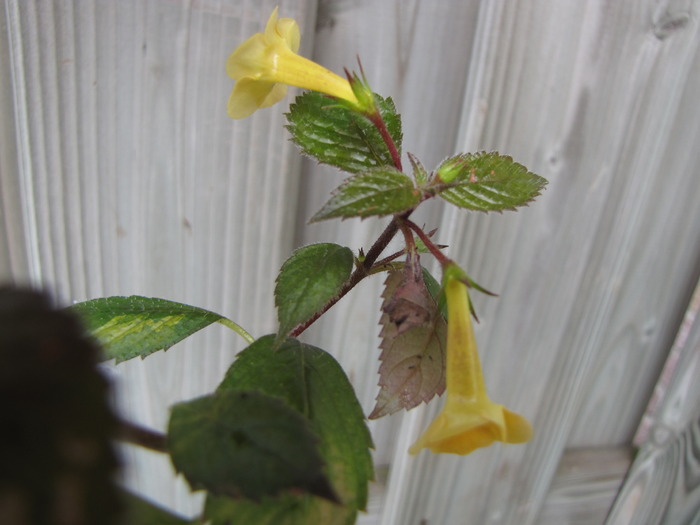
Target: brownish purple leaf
(413, 335)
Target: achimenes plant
(283, 438)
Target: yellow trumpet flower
(469, 419)
(265, 64)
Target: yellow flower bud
(469, 419)
(265, 64)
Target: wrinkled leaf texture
(489, 182)
(337, 136)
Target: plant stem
(144, 437)
(238, 329)
(379, 123)
(434, 250)
(361, 271)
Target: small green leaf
(419, 172)
(140, 511)
(128, 327)
(435, 290)
(340, 137)
(311, 277)
(487, 182)
(377, 192)
(313, 383)
(245, 444)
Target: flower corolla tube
(265, 64)
(469, 419)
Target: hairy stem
(379, 123)
(361, 271)
(434, 250)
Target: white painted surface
(120, 173)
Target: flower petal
(268, 58)
(248, 59)
(463, 428)
(282, 31)
(518, 429)
(249, 95)
(279, 91)
(469, 419)
(288, 29)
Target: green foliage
(142, 512)
(435, 290)
(312, 383)
(414, 335)
(311, 277)
(378, 192)
(128, 327)
(337, 136)
(419, 172)
(487, 182)
(245, 443)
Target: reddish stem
(384, 239)
(437, 253)
(360, 272)
(379, 123)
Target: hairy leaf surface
(488, 182)
(377, 192)
(340, 137)
(312, 276)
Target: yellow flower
(266, 63)
(469, 419)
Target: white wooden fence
(120, 174)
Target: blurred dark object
(57, 461)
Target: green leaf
(414, 335)
(311, 277)
(419, 172)
(340, 137)
(314, 384)
(487, 182)
(435, 290)
(377, 192)
(245, 443)
(128, 327)
(140, 511)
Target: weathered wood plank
(663, 486)
(13, 259)
(122, 137)
(590, 96)
(133, 180)
(585, 485)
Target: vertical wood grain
(589, 96)
(121, 173)
(663, 485)
(131, 179)
(13, 262)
